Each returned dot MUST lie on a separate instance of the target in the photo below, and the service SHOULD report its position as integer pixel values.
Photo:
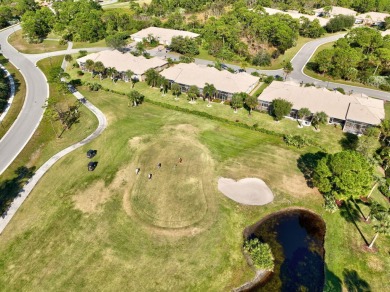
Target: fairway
(176, 195)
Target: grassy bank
(18, 42)
(107, 229)
(20, 94)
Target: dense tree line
(362, 55)
(11, 10)
(4, 91)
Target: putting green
(175, 197)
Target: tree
(37, 24)
(5, 16)
(319, 118)
(99, 68)
(262, 58)
(280, 108)
(250, 101)
(117, 41)
(345, 175)
(340, 22)
(68, 58)
(129, 75)
(175, 89)
(164, 84)
(237, 101)
(209, 91)
(193, 92)
(89, 64)
(152, 77)
(303, 113)
(135, 97)
(112, 72)
(184, 45)
(287, 69)
(375, 209)
(323, 60)
(382, 224)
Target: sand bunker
(247, 191)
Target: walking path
(23, 194)
(12, 95)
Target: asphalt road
(31, 114)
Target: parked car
(91, 153)
(224, 67)
(92, 165)
(71, 88)
(240, 70)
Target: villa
(225, 82)
(163, 35)
(354, 112)
(123, 62)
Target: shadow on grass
(349, 141)
(354, 283)
(307, 163)
(332, 282)
(10, 188)
(351, 214)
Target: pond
(296, 237)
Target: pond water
(296, 238)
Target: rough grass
(19, 97)
(51, 244)
(81, 45)
(19, 43)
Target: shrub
(330, 203)
(341, 90)
(82, 53)
(275, 54)
(94, 86)
(262, 58)
(269, 79)
(340, 22)
(296, 141)
(280, 108)
(260, 254)
(80, 73)
(279, 78)
(255, 73)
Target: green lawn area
(329, 136)
(17, 41)
(81, 45)
(112, 230)
(19, 97)
(387, 110)
(123, 7)
(313, 74)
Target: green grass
(80, 230)
(329, 136)
(387, 110)
(19, 97)
(19, 43)
(81, 45)
(322, 77)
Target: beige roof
(193, 74)
(164, 35)
(297, 15)
(355, 107)
(124, 61)
(337, 10)
(375, 16)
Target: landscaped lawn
(329, 136)
(17, 41)
(18, 100)
(112, 230)
(81, 45)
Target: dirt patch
(182, 128)
(90, 199)
(375, 264)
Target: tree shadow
(354, 283)
(10, 188)
(349, 141)
(332, 282)
(351, 214)
(4, 61)
(307, 163)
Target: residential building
(297, 15)
(354, 112)
(373, 18)
(123, 62)
(334, 11)
(225, 82)
(163, 35)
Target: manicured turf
(19, 97)
(19, 43)
(83, 230)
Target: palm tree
(175, 89)
(237, 101)
(375, 208)
(303, 113)
(318, 119)
(164, 84)
(89, 65)
(209, 90)
(287, 69)
(250, 101)
(99, 68)
(129, 75)
(382, 225)
(152, 77)
(193, 92)
(135, 97)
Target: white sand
(247, 191)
